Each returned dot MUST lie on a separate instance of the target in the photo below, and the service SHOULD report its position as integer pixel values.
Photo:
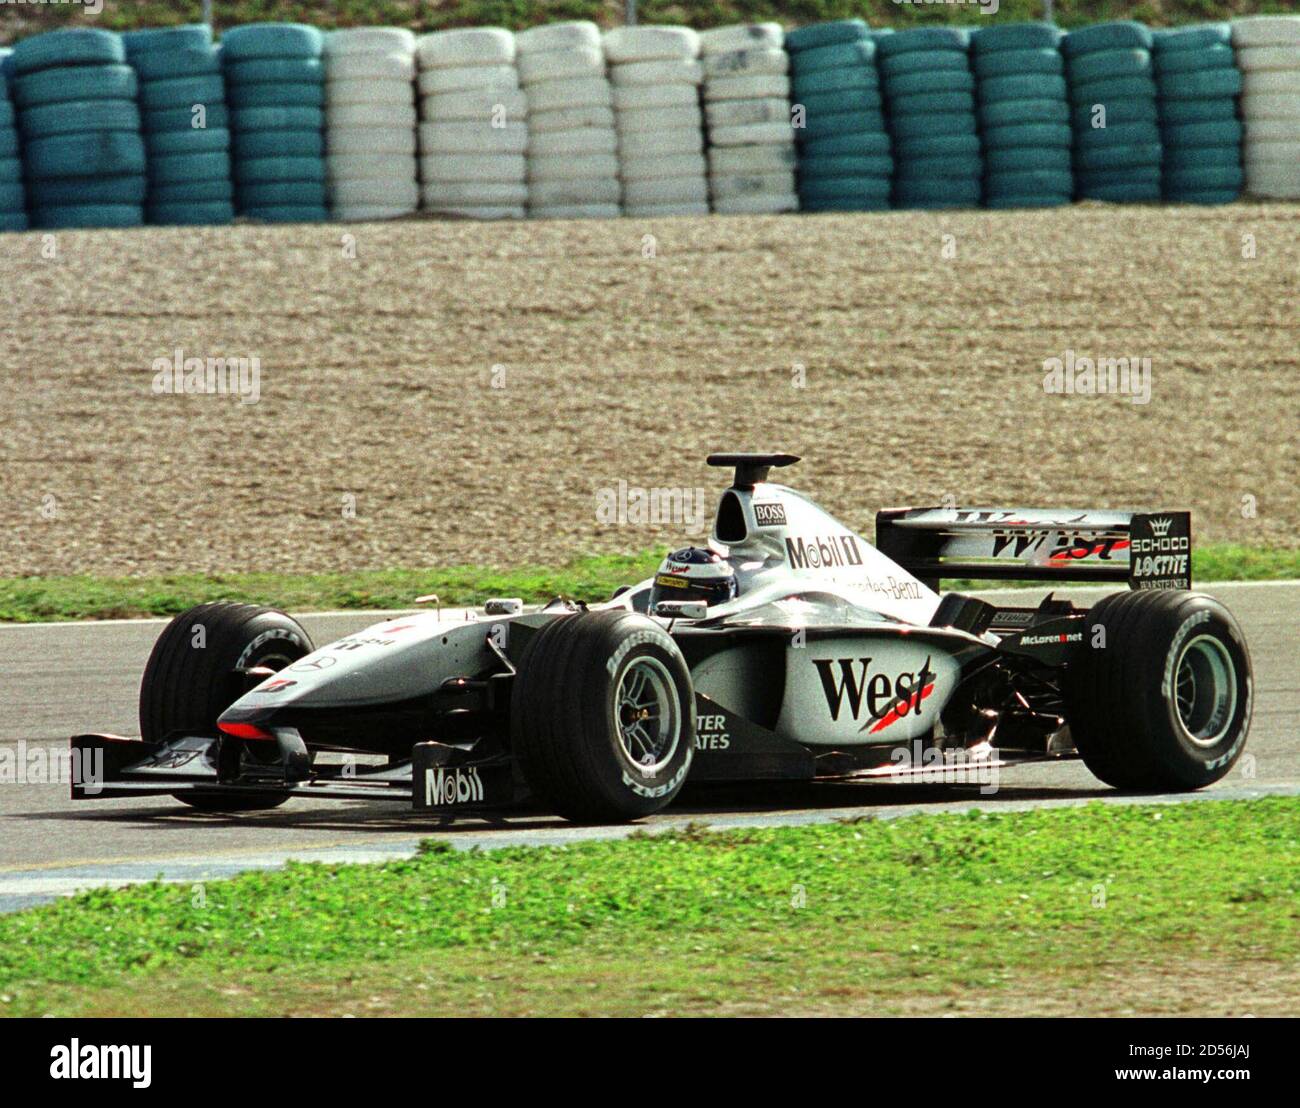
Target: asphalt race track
(61, 679)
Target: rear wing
(1146, 550)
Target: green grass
(82, 597)
(29, 599)
(428, 15)
(869, 916)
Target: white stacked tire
(370, 123)
(572, 161)
(656, 76)
(1268, 55)
(473, 130)
(747, 113)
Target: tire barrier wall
(846, 160)
(1197, 84)
(278, 122)
(13, 197)
(1024, 116)
(930, 95)
(572, 162)
(79, 123)
(1267, 49)
(1112, 87)
(474, 129)
(370, 132)
(746, 92)
(655, 74)
(275, 88)
(186, 125)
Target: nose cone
(396, 660)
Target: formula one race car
(790, 649)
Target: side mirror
(681, 609)
(504, 606)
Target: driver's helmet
(693, 573)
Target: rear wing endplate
(1146, 550)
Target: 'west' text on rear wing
(1148, 550)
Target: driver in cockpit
(694, 574)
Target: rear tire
(192, 677)
(603, 716)
(1163, 700)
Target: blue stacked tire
(13, 198)
(1117, 147)
(930, 94)
(275, 91)
(83, 152)
(1024, 115)
(1197, 84)
(186, 124)
(845, 160)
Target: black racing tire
(225, 802)
(187, 686)
(1159, 693)
(572, 716)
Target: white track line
(22, 888)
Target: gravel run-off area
(434, 393)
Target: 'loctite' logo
(886, 699)
(818, 552)
(1161, 565)
(444, 787)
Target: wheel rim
(276, 660)
(1205, 693)
(646, 717)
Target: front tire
(1160, 692)
(193, 675)
(603, 716)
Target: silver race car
(789, 648)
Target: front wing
(447, 779)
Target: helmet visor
(669, 587)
